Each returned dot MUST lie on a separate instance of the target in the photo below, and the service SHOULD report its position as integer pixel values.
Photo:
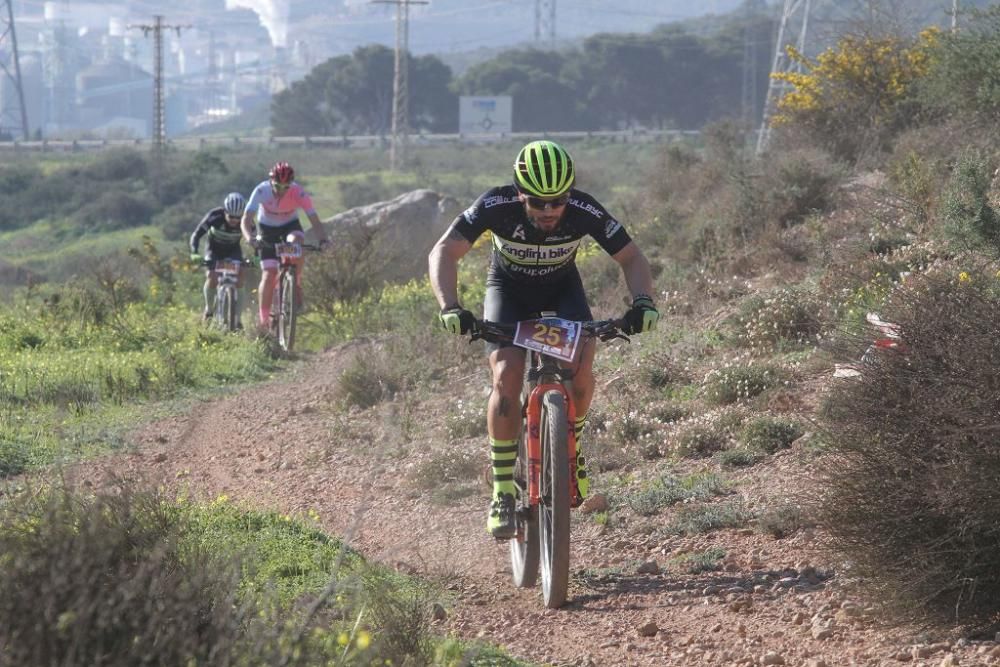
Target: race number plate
(553, 336)
(288, 250)
(228, 266)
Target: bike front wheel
(287, 310)
(226, 308)
(524, 548)
(553, 515)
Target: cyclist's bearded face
(544, 213)
(233, 220)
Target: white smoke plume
(273, 15)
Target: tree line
(669, 78)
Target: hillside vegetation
(766, 269)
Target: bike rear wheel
(287, 311)
(524, 548)
(553, 515)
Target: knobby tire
(555, 502)
(228, 308)
(287, 313)
(525, 548)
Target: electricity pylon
(545, 20)
(400, 81)
(794, 15)
(159, 108)
(13, 117)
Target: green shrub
(733, 383)
(769, 434)
(782, 520)
(910, 494)
(370, 378)
(697, 439)
(668, 490)
(738, 457)
(705, 518)
(970, 220)
(698, 562)
(785, 315)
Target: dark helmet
(282, 172)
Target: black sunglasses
(539, 203)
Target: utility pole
(400, 81)
(954, 15)
(159, 109)
(795, 14)
(545, 20)
(18, 118)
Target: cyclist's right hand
(195, 258)
(457, 320)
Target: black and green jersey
(523, 252)
(223, 239)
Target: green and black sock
(503, 454)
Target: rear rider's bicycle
(545, 469)
(227, 275)
(284, 310)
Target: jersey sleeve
(473, 221)
(200, 231)
(255, 198)
(603, 228)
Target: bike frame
(545, 375)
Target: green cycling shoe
(500, 523)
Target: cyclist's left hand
(457, 320)
(195, 258)
(642, 316)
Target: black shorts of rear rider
(215, 253)
(271, 234)
(509, 301)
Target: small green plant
(783, 316)
(971, 221)
(698, 562)
(738, 457)
(668, 490)
(371, 377)
(466, 419)
(738, 382)
(768, 434)
(706, 517)
(781, 520)
(697, 439)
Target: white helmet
(234, 204)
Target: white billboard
(484, 115)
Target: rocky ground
(774, 602)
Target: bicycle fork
(534, 444)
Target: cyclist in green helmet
(537, 225)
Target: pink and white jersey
(275, 209)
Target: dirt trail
(774, 601)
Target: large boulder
(393, 237)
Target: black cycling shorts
(272, 234)
(508, 301)
(217, 252)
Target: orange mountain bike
(544, 472)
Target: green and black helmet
(543, 169)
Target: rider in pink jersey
(275, 203)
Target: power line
(545, 20)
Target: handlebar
(498, 332)
(305, 246)
(210, 263)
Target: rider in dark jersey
(537, 225)
(222, 225)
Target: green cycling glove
(457, 320)
(642, 316)
(195, 258)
